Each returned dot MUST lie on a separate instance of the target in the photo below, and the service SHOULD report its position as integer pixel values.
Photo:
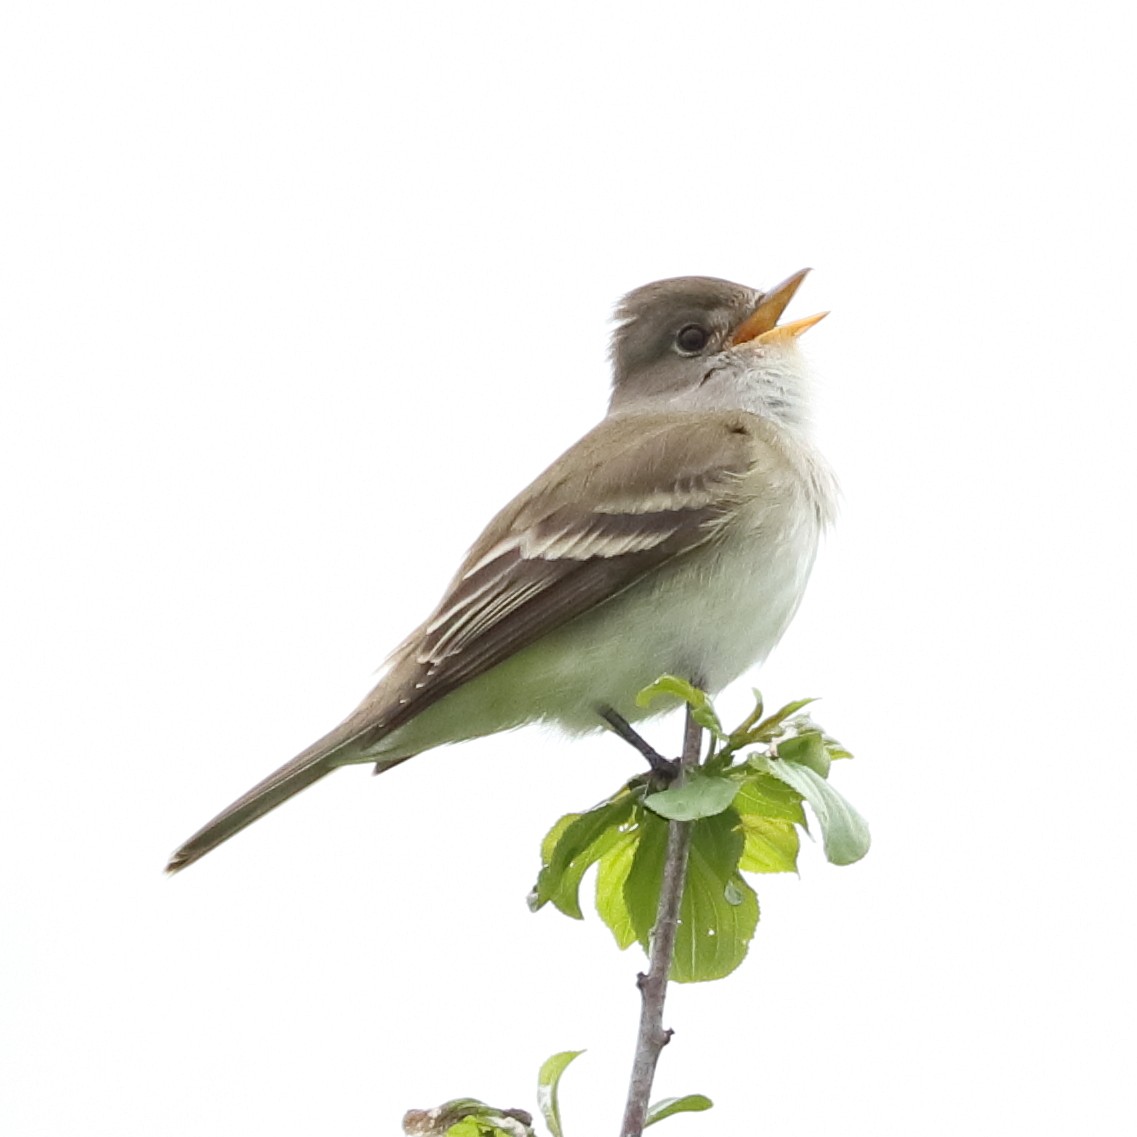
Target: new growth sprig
(746, 803)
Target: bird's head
(696, 342)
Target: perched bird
(675, 537)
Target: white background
(295, 295)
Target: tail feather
(398, 697)
(305, 769)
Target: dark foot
(667, 769)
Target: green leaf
(671, 686)
(692, 1103)
(642, 883)
(494, 1124)
(845, 832)
(469, 1127)
(702, 795)
(611, 876)
(548, 1081)
(552, 838)
(718, 912)
(474, 1127)
(763, 795)
(807, 750)
(751, 719)
(574, 844)
(770, 846)
(803, 724)
(770, 728)
(567, 895)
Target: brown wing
(628, 497)
(632, 494)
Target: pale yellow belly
(707, 617)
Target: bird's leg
(666, 768)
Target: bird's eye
(692, 338)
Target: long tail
(306, 768)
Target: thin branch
(653, 986)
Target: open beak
(762, 326)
